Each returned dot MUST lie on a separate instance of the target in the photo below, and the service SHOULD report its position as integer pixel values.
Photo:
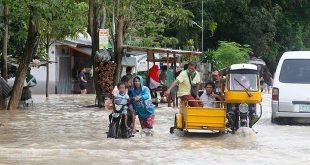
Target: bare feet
(134, 130)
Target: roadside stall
(168, 57)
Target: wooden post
(47, 79)
(149, 58)
(153, 54)
(174, 72)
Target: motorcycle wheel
(119, 130)
(113, 130)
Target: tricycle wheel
(222, 132)
(171, 130)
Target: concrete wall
(40, 75)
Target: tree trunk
(31, 45)
(102, 19)
(4, 68)
(90, 17)
(2, 99)
(118, 47)
(93, 25)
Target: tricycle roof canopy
(243, 66)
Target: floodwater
(64, 130)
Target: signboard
(103, 38)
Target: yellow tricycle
(239, 109)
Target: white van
(291, 87)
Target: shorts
(148, 122)
(82, 86)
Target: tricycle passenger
(209, 96)
(187, 80)
(219, 82)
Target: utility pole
(202, 26)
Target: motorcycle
(117, 126)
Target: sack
(194, 91)
(193, 87)
(108, 104)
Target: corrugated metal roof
(160, 50)
(80, 39)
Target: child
(127, 79)
(121, 98)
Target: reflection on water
(65, 130)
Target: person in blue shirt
(30, 79)
(82, 78)
(142, 103)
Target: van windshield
(295, 71)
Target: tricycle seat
(201, 118)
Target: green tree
(33, 21)
(143, 19)
(269, 27)
(30, 47)
(63, 18)
(229, 53)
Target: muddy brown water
(65, 130)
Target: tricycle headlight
(243, 108)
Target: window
(241, 81)
(295, 71)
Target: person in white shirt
(209, 97)
(121, 98)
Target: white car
(291, 87)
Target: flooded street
(63, 130)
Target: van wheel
(275, 120)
